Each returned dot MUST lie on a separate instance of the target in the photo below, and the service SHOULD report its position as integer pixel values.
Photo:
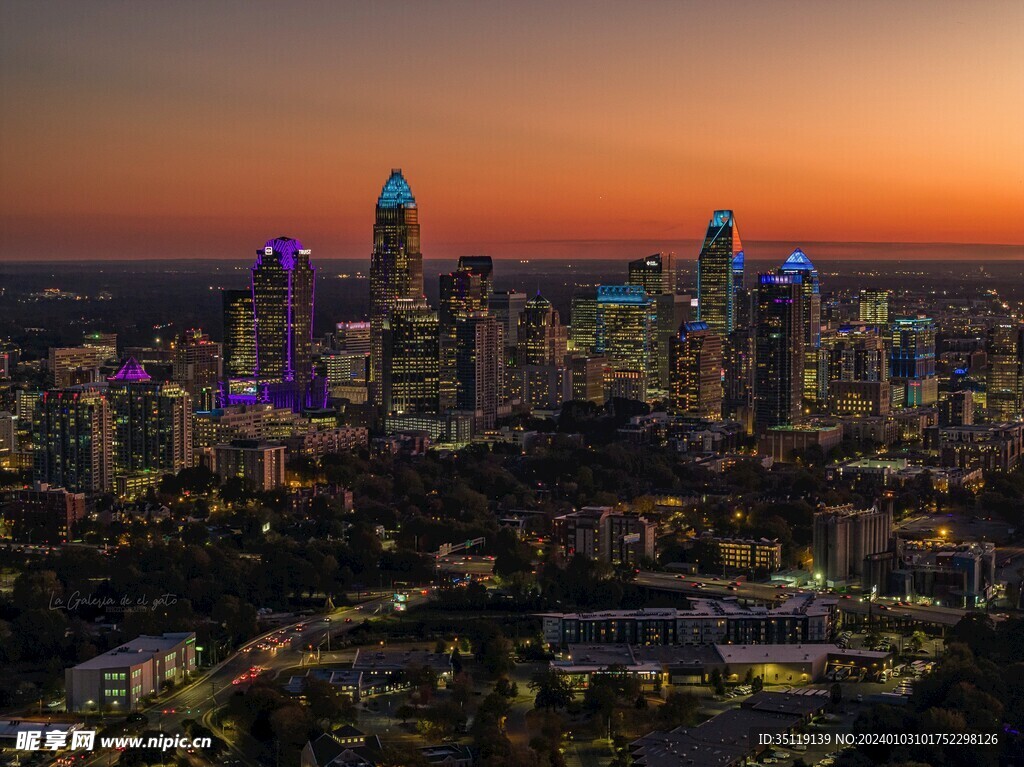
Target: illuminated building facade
(695, 372)
(282, 295)
(623, 328)
(479, 368)
(396, 264)
(73, 438)
(912, 360)
(749, 554)
(779, 352)
(506, 306)
(583, 330)
(873, 307)
(541, 337)
(715, 288)
(411, 371)
(198, 367)
(654, 273)
(798, 263)
(462, 292)
(152, 423)
(1005, 370)
(239, 334)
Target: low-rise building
(118, 680)
(991, 447)
(748, 554)
(782, 443)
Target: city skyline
(154, 134)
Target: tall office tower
(73, 438)
(239, 334)
(588, 376)
(814, 390)
(779, 350)
(844, 538)
(1005, 370)
(410, 382)
(695, 380)
(282, 295)
(462, 292)
(738, 376)
(105, 343)
(715, 273)
(739, 290)
(912, 360)
(72, 365)
(856, 353)
(655, 273)
(583, 327)
(506, 306)
(873, 307)
(624, 326)
(396, 264)
(479, 368)
(152, 423)
(541, 336)
(197, 367)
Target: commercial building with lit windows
(695, 372)
(912, 360)
(118, 680)
(807, 619)
(623, 327)
(810, 310)
(715, 289)
(778, 350)
(410, 377)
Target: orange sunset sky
(200, 129)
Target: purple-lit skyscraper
(282, 299)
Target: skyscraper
(623, 328)
(912, 360)
(411, 358)
(462, 292)
(239, 334)
(715, 288)
(1005, 374)
(799, 263)
(506, 306)
(873, 307)
(695, 380)
(479, 368)
(152, 423)
(396, 264)
(654, 273)
(583, 319)
(778, 350)
(282, 294)
(541, 335)
(197, 367)
(73, 438)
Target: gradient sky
(200, 129)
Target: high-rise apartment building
(152, 423)
(396, 264)
(282, 293)
(479, 368)
(73, 438)
(695, 377)
(814, 385)
(715, 288)
(239, 334)
(912, 360)
(779, 352)
(410, 374)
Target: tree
(553, 690)
(917, 640)
(679, 709)
(835, 694)
(506, 688)
(757, 684)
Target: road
(213, 690)
(718, 587)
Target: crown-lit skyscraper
(396, 265)
(541, 335)
(798, 263)
(282, 300)
(715, 281)
(623, 330)
(912, 362)
(778, 350)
